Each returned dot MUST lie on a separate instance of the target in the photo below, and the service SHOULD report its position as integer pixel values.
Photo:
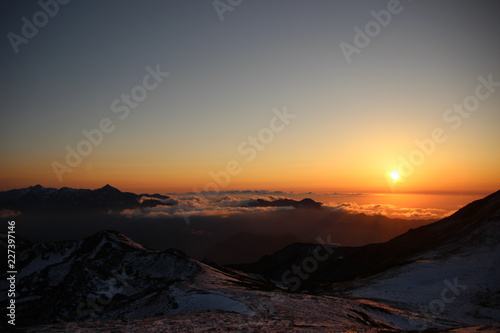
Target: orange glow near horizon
(366, 165)
(148, 180)
(175, 111)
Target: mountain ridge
(380, 287)
(39, 199)
(354, 262)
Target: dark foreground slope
(109, 283)
(473, 227)
(441, 276)
(447, 269)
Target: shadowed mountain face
(384, 287)
(77, 280)
(474, 226)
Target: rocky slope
(443, 276)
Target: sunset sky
(348, 126)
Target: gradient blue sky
(353, 120)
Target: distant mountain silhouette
(39, 199)
(304, 203)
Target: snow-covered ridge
(443, 275)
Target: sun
(395, 175)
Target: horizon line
(296, 192)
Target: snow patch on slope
(450, 288)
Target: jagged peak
(116, 237)
(111, 232)
(108, 188)
(38, 188)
